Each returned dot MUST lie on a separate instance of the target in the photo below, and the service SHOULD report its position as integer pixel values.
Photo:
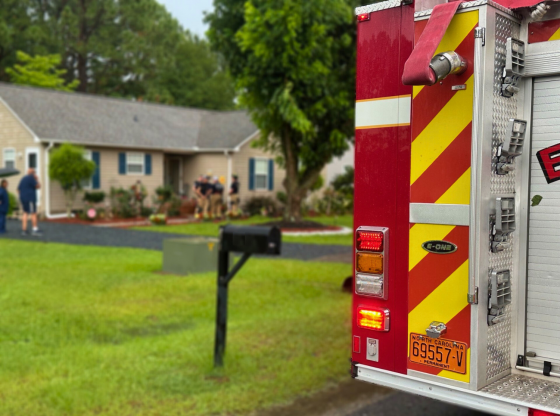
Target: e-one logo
(439, 247)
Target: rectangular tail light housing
(372, 245)
(375, 319)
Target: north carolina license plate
(437, 352)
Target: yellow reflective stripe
(456, 376)
(443, 304)
(460, 27)
(420, 233)
(556, 35)
(460, 191)
(441, 131)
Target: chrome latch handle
(436, 329)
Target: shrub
(14, 205)
(164, 193)
(70, 168)
(94, 197)
(261, 205)
(174, 206)
(146, 212)
(158, 219)
(282, 197)
(122, 203)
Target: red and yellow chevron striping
(544, 31)
(440, 174)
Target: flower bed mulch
(300, 226)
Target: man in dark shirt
(203, 193)
(4, 205)
(27, 190)
(217, 198)
(234, 196)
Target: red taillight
(371, 318)
(363, 17)
(369, 241)
(533, 412)
(356, 344)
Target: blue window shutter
(270, 174)
(148, 164)
(251, 174)
(96, 178)
(122, 163)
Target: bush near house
(94, 197)
(261, 205)
(14, 204)
(70, 168)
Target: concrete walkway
(117, 237)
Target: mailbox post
(246, 240)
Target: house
(130, 141)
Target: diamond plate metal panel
(527, 389)
(471, 4)
(504, 108)
(384, 5)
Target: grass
(211, 229)
(95, 331)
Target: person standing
(234, 196)
(217, 198)
(4, 205)
(203, 193)
(27, 190)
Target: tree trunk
(70, 197)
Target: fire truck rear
(457, 202)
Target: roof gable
(97, 120)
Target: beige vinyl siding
(110, 177)
(241, 169)
(213, 164)
(15, 135)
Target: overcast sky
(189, 13)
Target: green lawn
(96, 331)
(211, 229)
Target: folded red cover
(417, 68)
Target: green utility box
(190, 255)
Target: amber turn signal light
(369, 263)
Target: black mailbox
(251, 239)
(247, 240)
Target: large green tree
(294, 66)
(125, 48)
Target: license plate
(437, 352)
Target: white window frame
(142, 163)
(258, 159)
(89, 186)
(4, 155)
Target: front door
(543, 269)
(173, 174)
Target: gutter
(191, 151)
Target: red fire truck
(457, 196)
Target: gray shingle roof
(97, 120)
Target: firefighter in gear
(203, 192)
(234, 196)
(217, 198)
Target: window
(87, 183)
(135, 163)
(261, 174)
(10, 158)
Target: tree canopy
(294, 66)
(124, 48)
(40, 71)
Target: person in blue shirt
(27, 190)
(4, 205)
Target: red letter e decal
(549, 159)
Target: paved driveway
(117, 237)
